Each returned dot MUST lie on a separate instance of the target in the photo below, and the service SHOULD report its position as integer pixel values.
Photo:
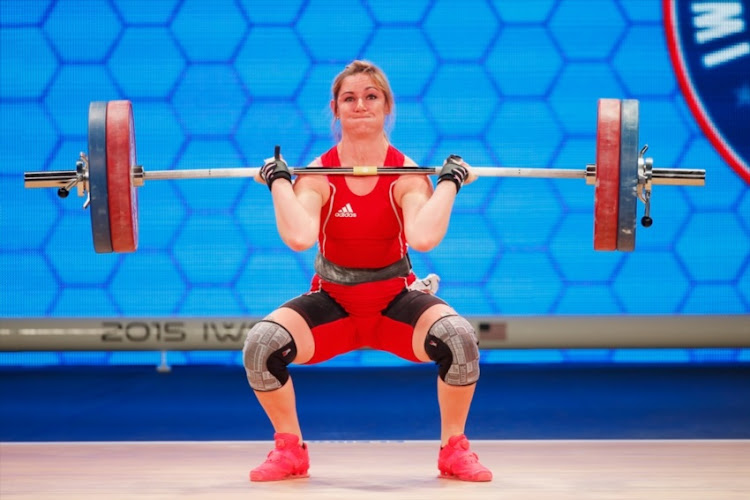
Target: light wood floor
(538, 470)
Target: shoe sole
(291, 476)
(479, 478)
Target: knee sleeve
(452, 344)
(269, 348)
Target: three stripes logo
(346, 211)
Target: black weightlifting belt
(341, 275)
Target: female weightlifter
(360, 294)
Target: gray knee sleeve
(269, 348)
(452, 344)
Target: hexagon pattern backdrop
(220, 83)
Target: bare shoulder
(419, 184)
(315, 183)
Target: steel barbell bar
(662, 176)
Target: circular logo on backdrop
(709, 43)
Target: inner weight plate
(99, 202)
(123, 200)
(626, 223)
(607, 190)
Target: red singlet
(362, 231)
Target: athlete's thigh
(325, 327)
(419, 310)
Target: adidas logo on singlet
(346, 211)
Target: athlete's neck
(354, 151)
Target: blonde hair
(381, 82)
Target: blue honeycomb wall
(220, 83)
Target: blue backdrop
(220, 83)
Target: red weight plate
(607, 191)
(123, 199)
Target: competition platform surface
(537, 470)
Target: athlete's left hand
(455, 169)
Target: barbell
(109, 176)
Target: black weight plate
(99, 205)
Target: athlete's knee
(269, 348)
(452, 344)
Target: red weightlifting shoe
(288, 460)
(457, 461)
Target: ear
(333, 108)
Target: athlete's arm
(426, 211)
(297, 208)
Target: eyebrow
(366, 88)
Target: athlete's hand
(273, 169)
(456, 170)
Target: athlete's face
(361, 106)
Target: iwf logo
(709, 43)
